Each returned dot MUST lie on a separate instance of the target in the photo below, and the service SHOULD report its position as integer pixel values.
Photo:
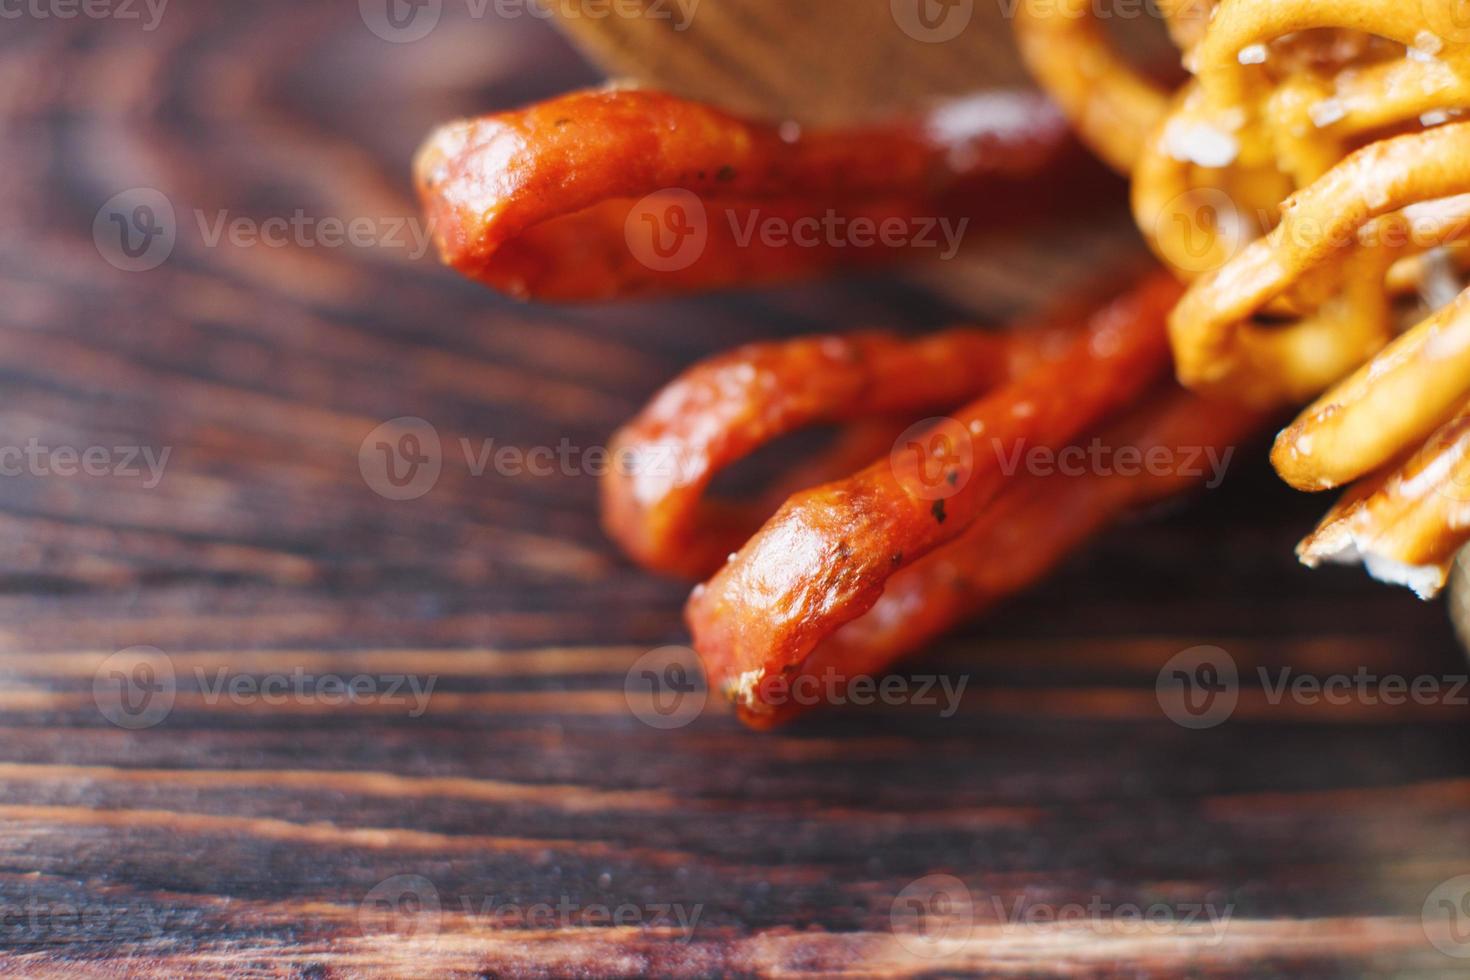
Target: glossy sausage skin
(828, 554)
(540, 202)
(1033, 526)
(655, 502)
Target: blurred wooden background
(252, 838)
(823, 61)
(813, 61)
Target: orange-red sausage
(654, 498)
(540, 202)
(826, 557)
(1035, 524)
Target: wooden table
(527, 822)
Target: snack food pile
(1317, 141)
(1303, 185)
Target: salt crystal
(1200, 143)
(1425, 580)
(1252, 54)
(1426, 45)
(1327, 112)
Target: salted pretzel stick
(1395, 400)
(1270, 134)
(1405, 524)
(1238, 24)
(825, 557)
(723, 409)
(1111, 104)
(1208, 326)
(1035, 524)
(540, 202)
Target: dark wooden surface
(245, 838)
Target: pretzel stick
(1271, 132)
(1398, 399)
(1317, 222)
(1407, 523)
(1112, 105)
(1238, 24)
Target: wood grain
(823, 62)
(243, 837)
(803, 60)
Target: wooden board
(810, 61)
(823, 61)
(313, 838)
